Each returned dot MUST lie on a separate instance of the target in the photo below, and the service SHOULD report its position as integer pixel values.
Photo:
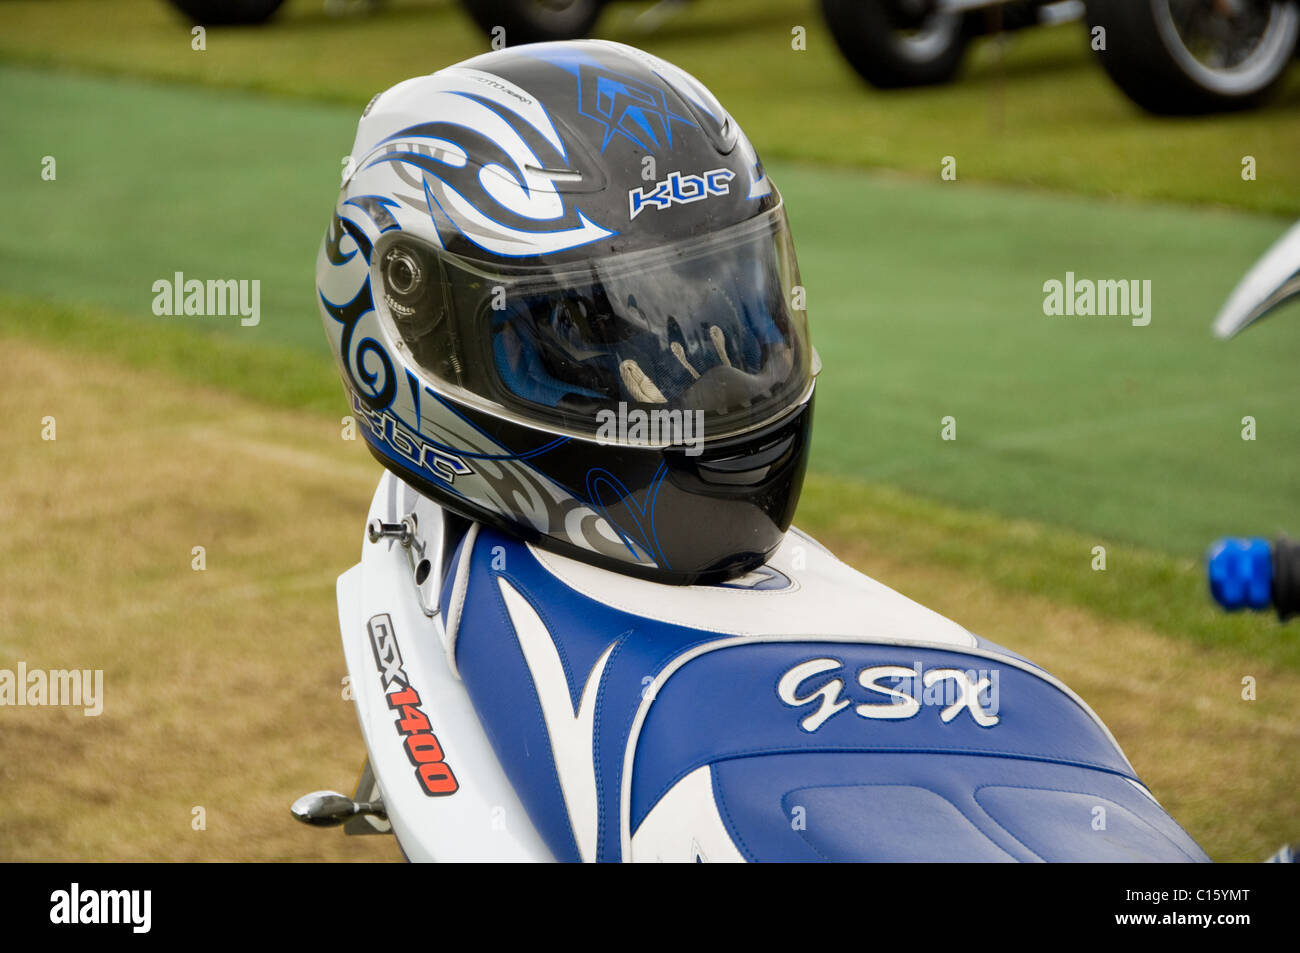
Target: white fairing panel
(824, 598)
(483, 820)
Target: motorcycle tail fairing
(804, 712)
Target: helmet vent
(556, 175)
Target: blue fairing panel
(500, 684)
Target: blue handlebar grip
(1241, 573)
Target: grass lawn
(1035, 111)
(223, 688)
(926, 300)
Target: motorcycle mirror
(1274, 279)
(330, 808)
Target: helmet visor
(711, 327)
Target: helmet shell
(550, 156)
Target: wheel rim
(930, 40)
(1230, 47)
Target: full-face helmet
(564, 300)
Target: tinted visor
(707, 325)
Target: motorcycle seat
(804, 712)
(908, 776)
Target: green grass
(1141, 584)
(176, 464)
(272, 374)
(152, 180)
(1036, 111)
(926, 302)
(925, 297)
(1138, 585)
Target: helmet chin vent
(748, 468)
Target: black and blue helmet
(563, 296)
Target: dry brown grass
(223, 687)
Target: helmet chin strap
(680, 353)
(719, 344)
(639, 385)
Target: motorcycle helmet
(564, 301)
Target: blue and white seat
(802, 713)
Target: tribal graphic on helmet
(505, 202)
(492, 292)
